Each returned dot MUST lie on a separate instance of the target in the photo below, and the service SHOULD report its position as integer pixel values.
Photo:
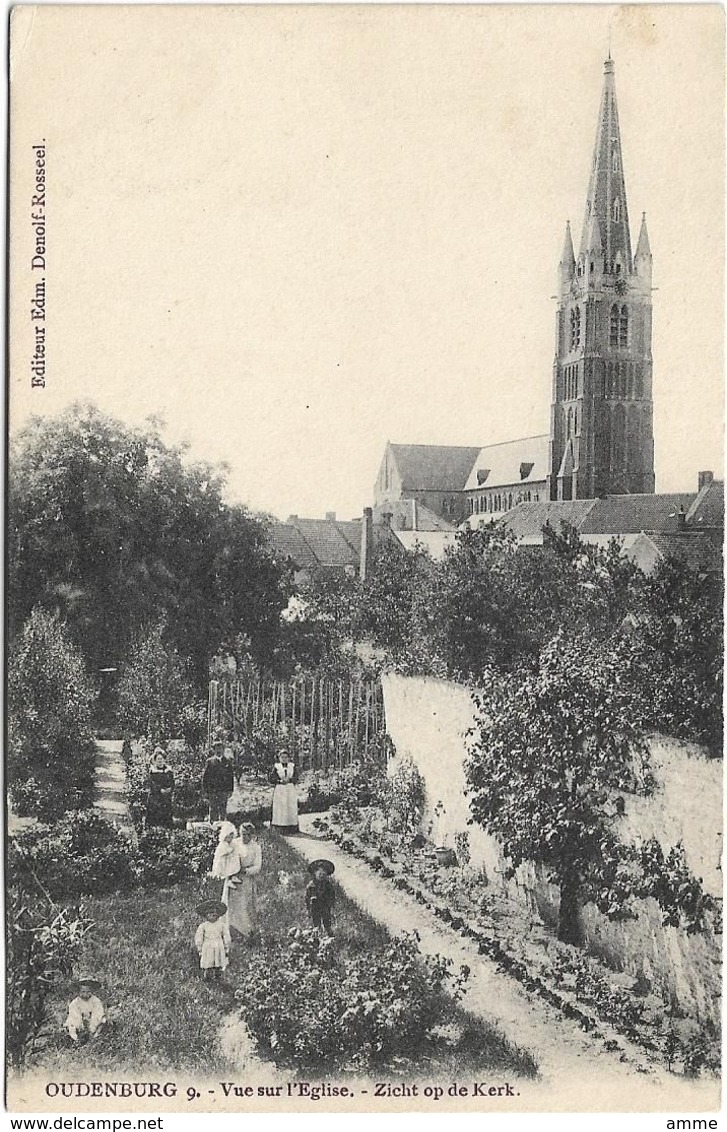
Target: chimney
(367, 544)
(681, 519)
(292, 518)
(704, 479)
(331, 516)
(386, 519)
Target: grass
(166, 1017)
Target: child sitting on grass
(321, 894)
(86, 1014)
(212, 939)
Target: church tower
(601, 429)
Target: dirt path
(110, 786)
(594, 1078)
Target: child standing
(212, 939)
(86, 1014)
(321, 894)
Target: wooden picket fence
(323, 723)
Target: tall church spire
(601, 429)
(606, 200)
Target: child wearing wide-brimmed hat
(212, 939)
(320, 894)
(86, 1013)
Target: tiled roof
(327, 544)
(514, 462)
(528, 519)
(410, 514)
(701, 551)
(614, 515)
(289, 543)
(433, 467)
(708, 508)
(630, 514)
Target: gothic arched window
(575, 327)
(623, 327)
(614, 326)
(616, 210)
(614, 161)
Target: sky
(297, 233)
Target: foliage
(313, 1005)
(50, 702)
(363, 783)
(679, 893)
(678, 634)
(85, 855)
(116, 528)
(405, 797)
(42, 947)
(397, 609)
(153, 691)
(550, 750)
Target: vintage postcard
(364, 539)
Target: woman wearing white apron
(285, 797)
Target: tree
(498, 603)
(677, 631)
(154, 692)
(112, 527)
(553, 749)
(49, 707)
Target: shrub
(311, 1004)
(405, 797)
(42, 947)
(50, 703)
(154, 692)
(168, 856)
(86, 855)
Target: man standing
(218, 780)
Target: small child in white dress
(86, 1014)
(212, 939)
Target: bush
(168, 856)
(85, 855)
(310, 1004)
(50, 703)
(154, 692)
(41, 949)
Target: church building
(600, 440)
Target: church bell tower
(601, 419)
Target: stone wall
(429, 720)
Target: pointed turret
(642, 259)
(567, 265)
(606, 201)
(643, 248)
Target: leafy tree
(154, 691)
(677, 629)
(111, 526)
(397, 609)
(499, 603)
(553, 748)
(49, 707)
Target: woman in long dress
(285, 797)
(237, 862)
(161, 788)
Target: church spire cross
(606, 208)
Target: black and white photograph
(364, 560)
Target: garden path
(110, 786)
(596, 1079)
